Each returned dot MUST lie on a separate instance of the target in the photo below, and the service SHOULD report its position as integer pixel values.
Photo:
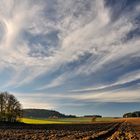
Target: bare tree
(10, 107)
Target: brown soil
(120, 129)
(97, 131)
(135, 124)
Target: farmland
(58, 131)
(135, 124)
(63, 129)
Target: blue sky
(75, 56)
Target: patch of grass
(56, 121)
(39, 121)
(73, 120)
(65, 120)
(105, 119)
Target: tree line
(10, 107)
(132, 114)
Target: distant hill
(132, 114)
(43, 113)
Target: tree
(10, 107)
(132, 114)
(127, 115)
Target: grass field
(40, 121)
(65, 120)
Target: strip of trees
(132, 114)
(10, 107)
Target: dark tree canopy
(10, 107)
(132, 114)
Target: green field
(65, 120)
(39, 121)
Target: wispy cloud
(80, 41)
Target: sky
(74, 56)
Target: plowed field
(124, 129)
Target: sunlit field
(66, 120)
(41, 121)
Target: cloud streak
(69, 46)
